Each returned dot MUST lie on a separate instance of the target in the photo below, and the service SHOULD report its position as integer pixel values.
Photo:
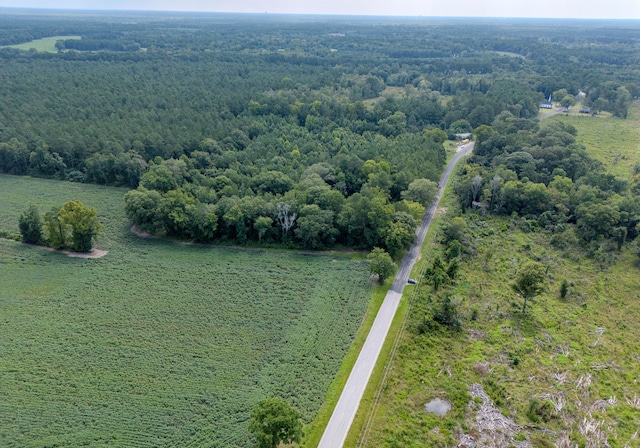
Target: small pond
(437, 406)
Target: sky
(587, 9)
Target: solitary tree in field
(381, 264)
(567, 101)
(274, 421)
(529, 281)
(31, 226)
(74, 226)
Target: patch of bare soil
(95, 253)
(136, 231)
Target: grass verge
(314, 431)
(370, 400)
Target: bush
(528, 225)
(453, 250)
(31, 226)
(446, 314)
(5, 234)
(564, 289)
(381, 264)
(540, 411)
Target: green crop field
(47, 44)
(613, 141)
(160, 343)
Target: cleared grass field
(547, 355)
(47, 44)
(578, 357)
(613, 141)
(160, 343)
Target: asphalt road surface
(345, 411)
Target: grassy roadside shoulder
(563, 374)
(367, 407)
(315, 429)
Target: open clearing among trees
(160, 343)
(47, 44)
(613, 141)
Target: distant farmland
(47, 44)
(160, 343)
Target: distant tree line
(219, 125)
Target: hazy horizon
(542, 9)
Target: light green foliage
(381, 264)
(413, 208)
(160, 343)
(273, 421)
(567, 101)
(74, 226)
(84, 224)
(401, 234)
(58, 236)
(610, 140)
(455, 230)
(422, 191)
(559, 94)
(262, 225)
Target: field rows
(160, 343)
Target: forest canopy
(221, 122)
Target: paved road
(345, 411)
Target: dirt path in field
(95, 253)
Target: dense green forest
(538, 172)
(310, 131)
